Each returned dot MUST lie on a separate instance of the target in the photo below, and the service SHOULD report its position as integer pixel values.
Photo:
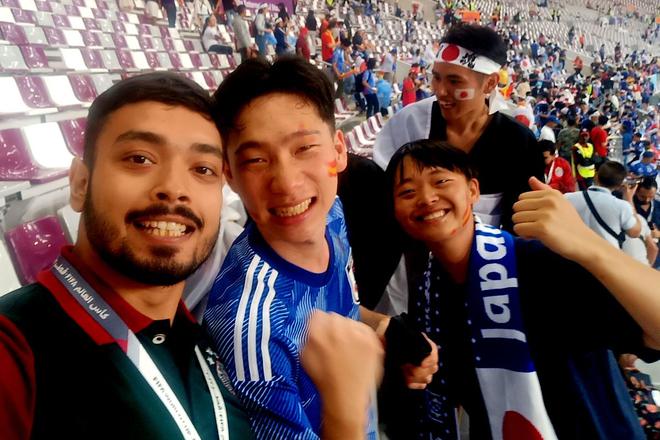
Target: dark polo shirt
(63, 376)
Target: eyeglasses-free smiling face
(432, 204)
(151, 203)
(459, 90)
(283, 162)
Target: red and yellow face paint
(332, 168)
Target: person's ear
(341, 151)
(79, 177)
(491, 82)
(473, 190)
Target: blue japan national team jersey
(643, 169)
(257, 315)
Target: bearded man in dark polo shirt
(102, 346)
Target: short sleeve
(628, 219)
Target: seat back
(83, 87)
(11, 59)
(35, 57)
(8, 278)
(34, 92)
(35, 245)
(46, 146)
(74, 135)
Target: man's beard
(159, 270)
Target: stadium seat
(35, 58)
(77, 23)
(91, 24)
(132, 42)
(102, 82)
(110, 60)
(16, 162)
(34, 92)
(35, 245)
(73, 38)
(176, 60)
(35, 36)
(125, 60)
(93, 59)
(8, 278)
(70, 219)
(60, 91)
(44, 19)
(164, 60)
(54, 36)
(47, 146)
(43, 6)
(22, 16)
(74, 134)
(152, 60)
(5, 15)
(91, 39)
(61, 21)
(195, 60)
(11, 59)
(211, 81)
(73, 59)
(13, 33)
(120, 41)
(145, 42)
(140, 60)
(83, 88)
(107, 41)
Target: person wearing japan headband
(465, 112)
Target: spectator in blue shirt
(645, 167)
(384, 93)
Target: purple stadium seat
(102, 5)
(118, 27)
(152, 59)
(72, 10)
(35, 57)
(83, 87)
(176, 61)
(11, 60)
(43, 6)
(34, 91)
(35, 245)
(214, 60)
(91, 24)
(210, 80)
(196, 60)
(99, 13)
(61, 21)
(90, 39)
(16, 163)
(164, 32)
(11, 3)
(169, 44)
(143, 29)
(24, 16)
(74, 134)
(145, 42)
(125, 59)
(92, 58)
(79, 3)
(144, 19)
(54, 36)
(13, 33)
(120, 41)
(188, 45)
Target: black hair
(481, 40)
(547, 145)
(427, 153)
(571, 121)
(165, 87)
(345, 42)
(602, 120)
(254, 78)
(611, 174)
(371, 63)
(648, 183)
(240, 9)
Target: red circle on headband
(450, 53)
(464, 94)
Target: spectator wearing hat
(409, 90)
(548, 130)
(260, 29)
(280, 35)
(583, 162)
(598, 136)
(557, 169)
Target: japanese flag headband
(453, 54)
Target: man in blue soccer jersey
(282, 157)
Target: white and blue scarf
(507, 378)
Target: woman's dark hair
(255, 78)
(427, 153)
(481, 40)
(165, 87)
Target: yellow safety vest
(587, 152)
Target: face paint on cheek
(332, 168)
(463, 94)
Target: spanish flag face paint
(332, 168)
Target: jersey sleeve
(248, 326)
(17, 383)
(628, 219)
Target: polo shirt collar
(600, 189)
(135, 320)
